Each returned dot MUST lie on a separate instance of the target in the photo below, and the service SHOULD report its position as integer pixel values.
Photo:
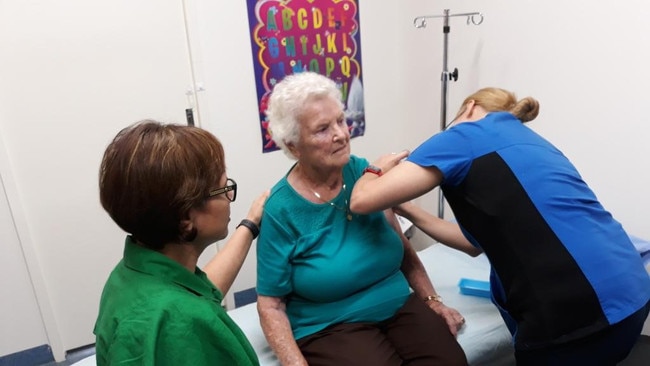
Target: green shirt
(153, 311)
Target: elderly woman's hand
(257, 208)
(388, 161)
(452, 317)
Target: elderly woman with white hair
(335, 287)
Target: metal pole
(421, 22)
(445, 73)
(444, 78)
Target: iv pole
(421, 22)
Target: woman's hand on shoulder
(452, 317)
(389, 161)
(257, 208)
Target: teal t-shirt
(329, 269)
(153, 311)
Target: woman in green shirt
(166, 186)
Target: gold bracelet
(435, 298)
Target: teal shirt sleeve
(274, 247)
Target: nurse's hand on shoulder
(388, 161)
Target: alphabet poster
(291, 36)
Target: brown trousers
(414, 336)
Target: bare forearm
(419, 281)
(411, 266)
(443, 231)
(400, 182)
(416, 274)
(277, 330)
(225, 265)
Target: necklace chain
(345, 209)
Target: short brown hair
(152, 174)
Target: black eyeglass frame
(231, 185)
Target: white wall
(19, 306)
(567, 57)
(223, 64)
(74, 72)
(586, 62)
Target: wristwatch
(373, 169)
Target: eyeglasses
(230, 190)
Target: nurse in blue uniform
(566, 276)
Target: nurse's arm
(401, 183)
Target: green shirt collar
(150, 262)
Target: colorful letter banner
(291, 36)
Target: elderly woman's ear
(292, 149)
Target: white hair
(287, 103)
